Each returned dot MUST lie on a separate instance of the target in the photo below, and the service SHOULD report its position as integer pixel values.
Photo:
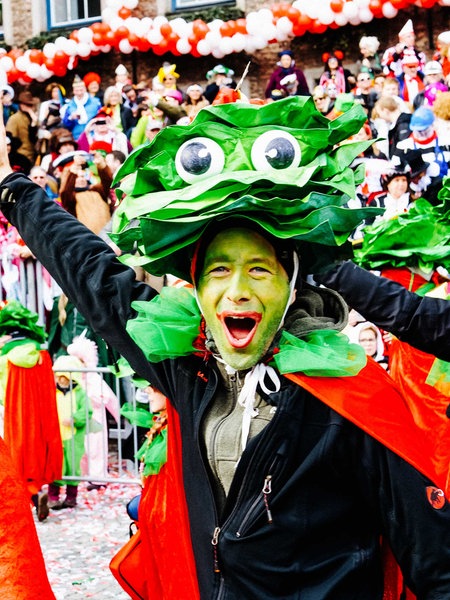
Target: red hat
(90, 77)
(101, 146)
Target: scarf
(81, 111)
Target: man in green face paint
(290, 471)
(243, 290)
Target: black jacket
(334, 489)
(423, 322)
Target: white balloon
(259, 43)
(85, 35)
(107, 15)
(115, 23)
(33, 70)
(300, 5)
(131, 4)
(265, 15)
(22, 63)
(105, 49)
(158, 21)
(45, 72)
(350, 10)
(213, 38)
(183, 46)
(284, 25)
(238, 40)
(355, 20)
(389, 11)
(70, 47)
(114, 4)
(83, 50)
(269, 32)
(226, 45)
(49, 50)
(180, 27)
(203, 47)
(217, 53)
(341, 19)
(325, 15)
(155, 37)
(215, 25)
(366, 15)
(312, 10)
(6, 63)
(125, 47)
(60, 42)
(132, 23)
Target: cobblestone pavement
(79, 543)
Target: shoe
(42, 507)
(68, 503)
(95, 486)
(55, 504)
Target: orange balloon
(124, 12)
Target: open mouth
(240, 328)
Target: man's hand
(5, 167)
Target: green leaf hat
(282, 165)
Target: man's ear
(293, 297)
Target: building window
(192, 4)
(1, 18)
(70, 12)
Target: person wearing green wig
(297, 452)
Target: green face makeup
(243, 290)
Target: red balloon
(124, 13)
(161, 48)
(121, 33)
(61, 58)
(36, 56)
(74, 35)
(166, 30)
(337, 5)
(13, 75)
(284, 9)
(133, 39)
(428, 3)
(298, 30)
(228, 29)
(293, 14)
(317, 27)
(50, 64)
(276, 10)
(241, 26)
(110, 38)
(96, 27)
(375, 6)
(199, 29)
(98, 39)
(143, 45)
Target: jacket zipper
(255, 508)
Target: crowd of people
(251, 314)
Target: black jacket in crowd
(334, 489)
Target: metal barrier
(105, 459)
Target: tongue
(240, 328)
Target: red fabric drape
(22, 569)
(32, 431)
(167, 557)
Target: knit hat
(421, 119)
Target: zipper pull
(214, 542)
(267, 489)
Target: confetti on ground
(79, 543)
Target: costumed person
(278, 413)
(392, 57)
(9, 106)
(102, 398)
(31, 427)
(335, 73)
(411, 78)
(216, 78)
(370, 61)
(394, 197)
(22, 567)
(443, 53)
(92, 82)
(122, 77)
(74, 412)
(286, 67)
(168, 76)
(23, 125)
(195, 100)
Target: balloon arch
(121, 31)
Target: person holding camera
(81, 108)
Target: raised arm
(423, 322)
